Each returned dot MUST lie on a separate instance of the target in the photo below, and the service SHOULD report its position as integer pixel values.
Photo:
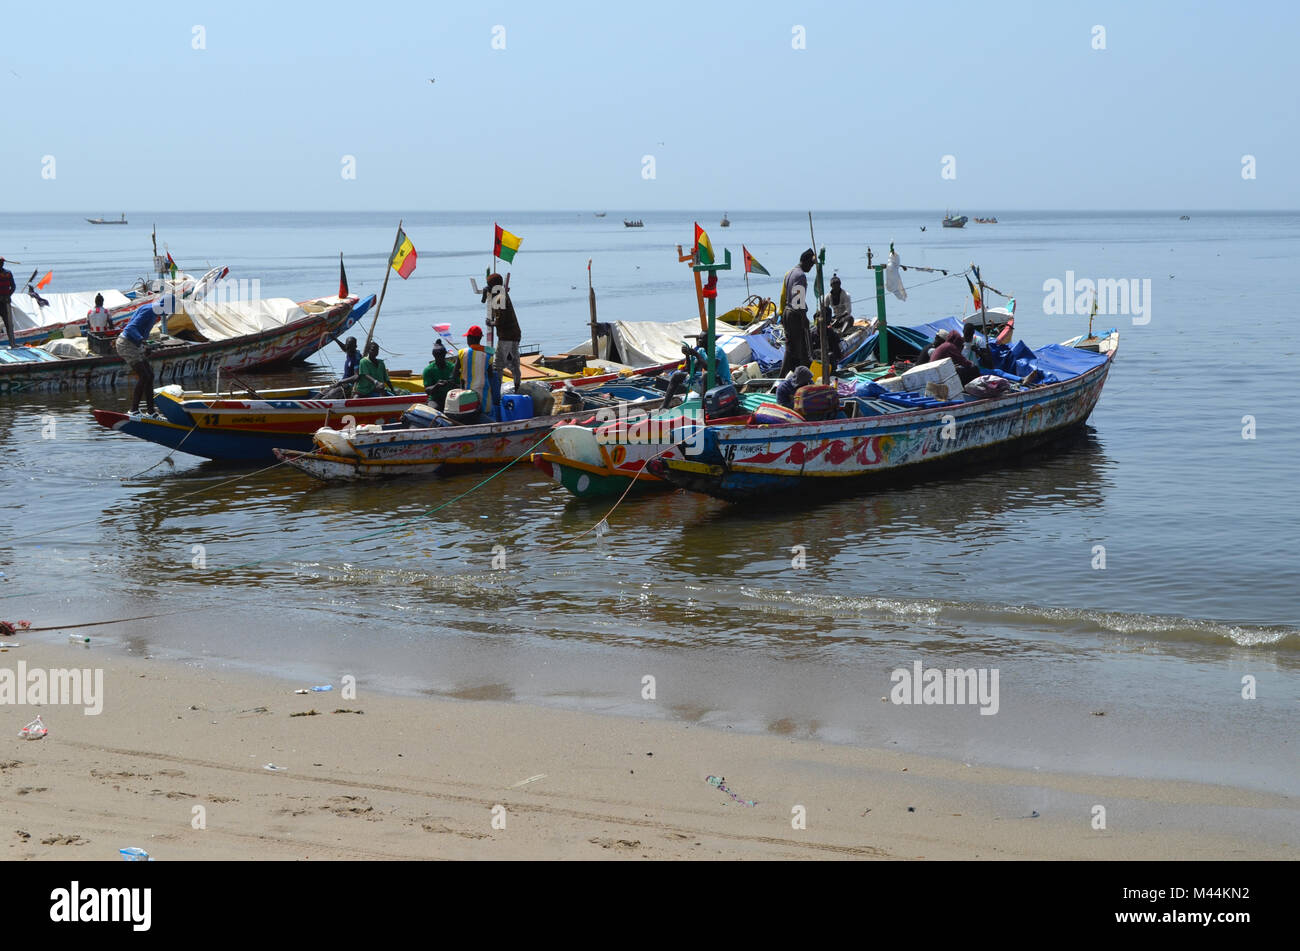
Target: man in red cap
(474, 363)
(6, 294)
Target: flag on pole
(975, 294)
(343, 278)
(752, 265)
(505, 245)
(171, 266)
(40, 285)
(703, 246)
(403, 261)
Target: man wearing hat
(501, 317)
(132, 347)
(474, 364)
(794, 314)
(6, 294)
(440, 376)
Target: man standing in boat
(474, 364)
(6, 294)
(794, 314)
(132, 346)
(501, 317)
(351, 360)
(841, 307)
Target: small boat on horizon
(1185, 218)
(108, 221)
(726, 222)
(633, 223)
(599, 214)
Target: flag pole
(388, 267)
(821, 324)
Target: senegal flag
(975, 295)
(505, 245)
(752, 266)
(703, 247)
(403, 261)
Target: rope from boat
(439, 508)
(605, 518)
(164, 458)
(25, 627)
(109, 516)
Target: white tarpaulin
(644, 343)
(63, 308)
(236, 319)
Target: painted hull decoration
(842, 455)
(380, 454)
(245, 430)
(326, 319)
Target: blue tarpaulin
(769, 356)
(913, 339)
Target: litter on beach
(35, 730)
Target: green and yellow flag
(703, 247)
(505, 245)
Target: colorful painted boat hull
(845, 456)
(280, 345)
(207, 444)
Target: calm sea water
(995, 568)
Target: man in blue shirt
(131, 348)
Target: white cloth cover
(223, 321)
(647, 343)
(63, 309)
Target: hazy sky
(135, 117)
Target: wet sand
(175, 765)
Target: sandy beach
(175, 764)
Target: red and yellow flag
(751, 264)
(403, 261)
(505, 245)
(975, 295)
(703, 247)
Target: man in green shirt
(440, 376)
(372, 375)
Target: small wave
(1065, 620)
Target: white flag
(894, 279)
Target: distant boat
(726, 222)
(1185, 218)
(638, 223)
(950, 222)
(107, 221)
(985, 221)
(600, 214)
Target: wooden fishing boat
(40, 317)
(379, 452)
(755, 308)
(211, 340)
(633, 223)
(108, 221)
(954, 222)
(841, 456)
(248, 429)
(601, 461)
